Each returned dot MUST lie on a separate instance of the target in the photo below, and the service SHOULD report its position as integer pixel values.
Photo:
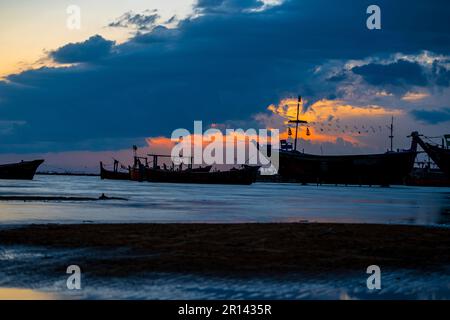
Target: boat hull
(377, 169)
(113, 175)
(24, 170)
(245, 176)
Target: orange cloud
(164, 145)
(329, 120)
(414, 96)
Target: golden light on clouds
(329, 120)
(36, 27)
(165, 144)
(415, 96)
(384, 93)
(323, 109)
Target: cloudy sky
(136, 70)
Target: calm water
(28, 271)
(261, 202)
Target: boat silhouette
(24, 170)
(142, 171)
(392, 167)
(366, 169)
(245, 175)
(439, 154)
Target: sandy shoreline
(240, 249)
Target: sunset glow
(332, 119)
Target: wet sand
(56, 198)
(241, 249)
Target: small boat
(142, 171)
(245, 175)
(24, 170)
(115, 174)
(241, 176)
(439, 154)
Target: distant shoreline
(68, 174)
(241, 249)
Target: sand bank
(242, 248)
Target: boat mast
(297, 122)
(391, 137)
(135, 155)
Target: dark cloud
(223, 65)
(158, 34)
(441, 74)
(172, 19)
(399, 73)
(227, 6)
(94, 48)
(338, 77)
(140, 21)
(432, 116)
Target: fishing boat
(238, 176)
(439, 154)
(201, 169)
(369, 169)
(389, 168)
(141, 171)
(24, 170)
(114, 174)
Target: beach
(241, 249)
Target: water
(260, 202)
(19, 280)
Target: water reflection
(25, 294)
(261, 202)
(444, 217)
(401, 284)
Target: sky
(137, 70)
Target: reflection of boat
(143, 172)
(439, 154)
(24, 170)
(428, 177)
(115, 174)
(366, 169)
